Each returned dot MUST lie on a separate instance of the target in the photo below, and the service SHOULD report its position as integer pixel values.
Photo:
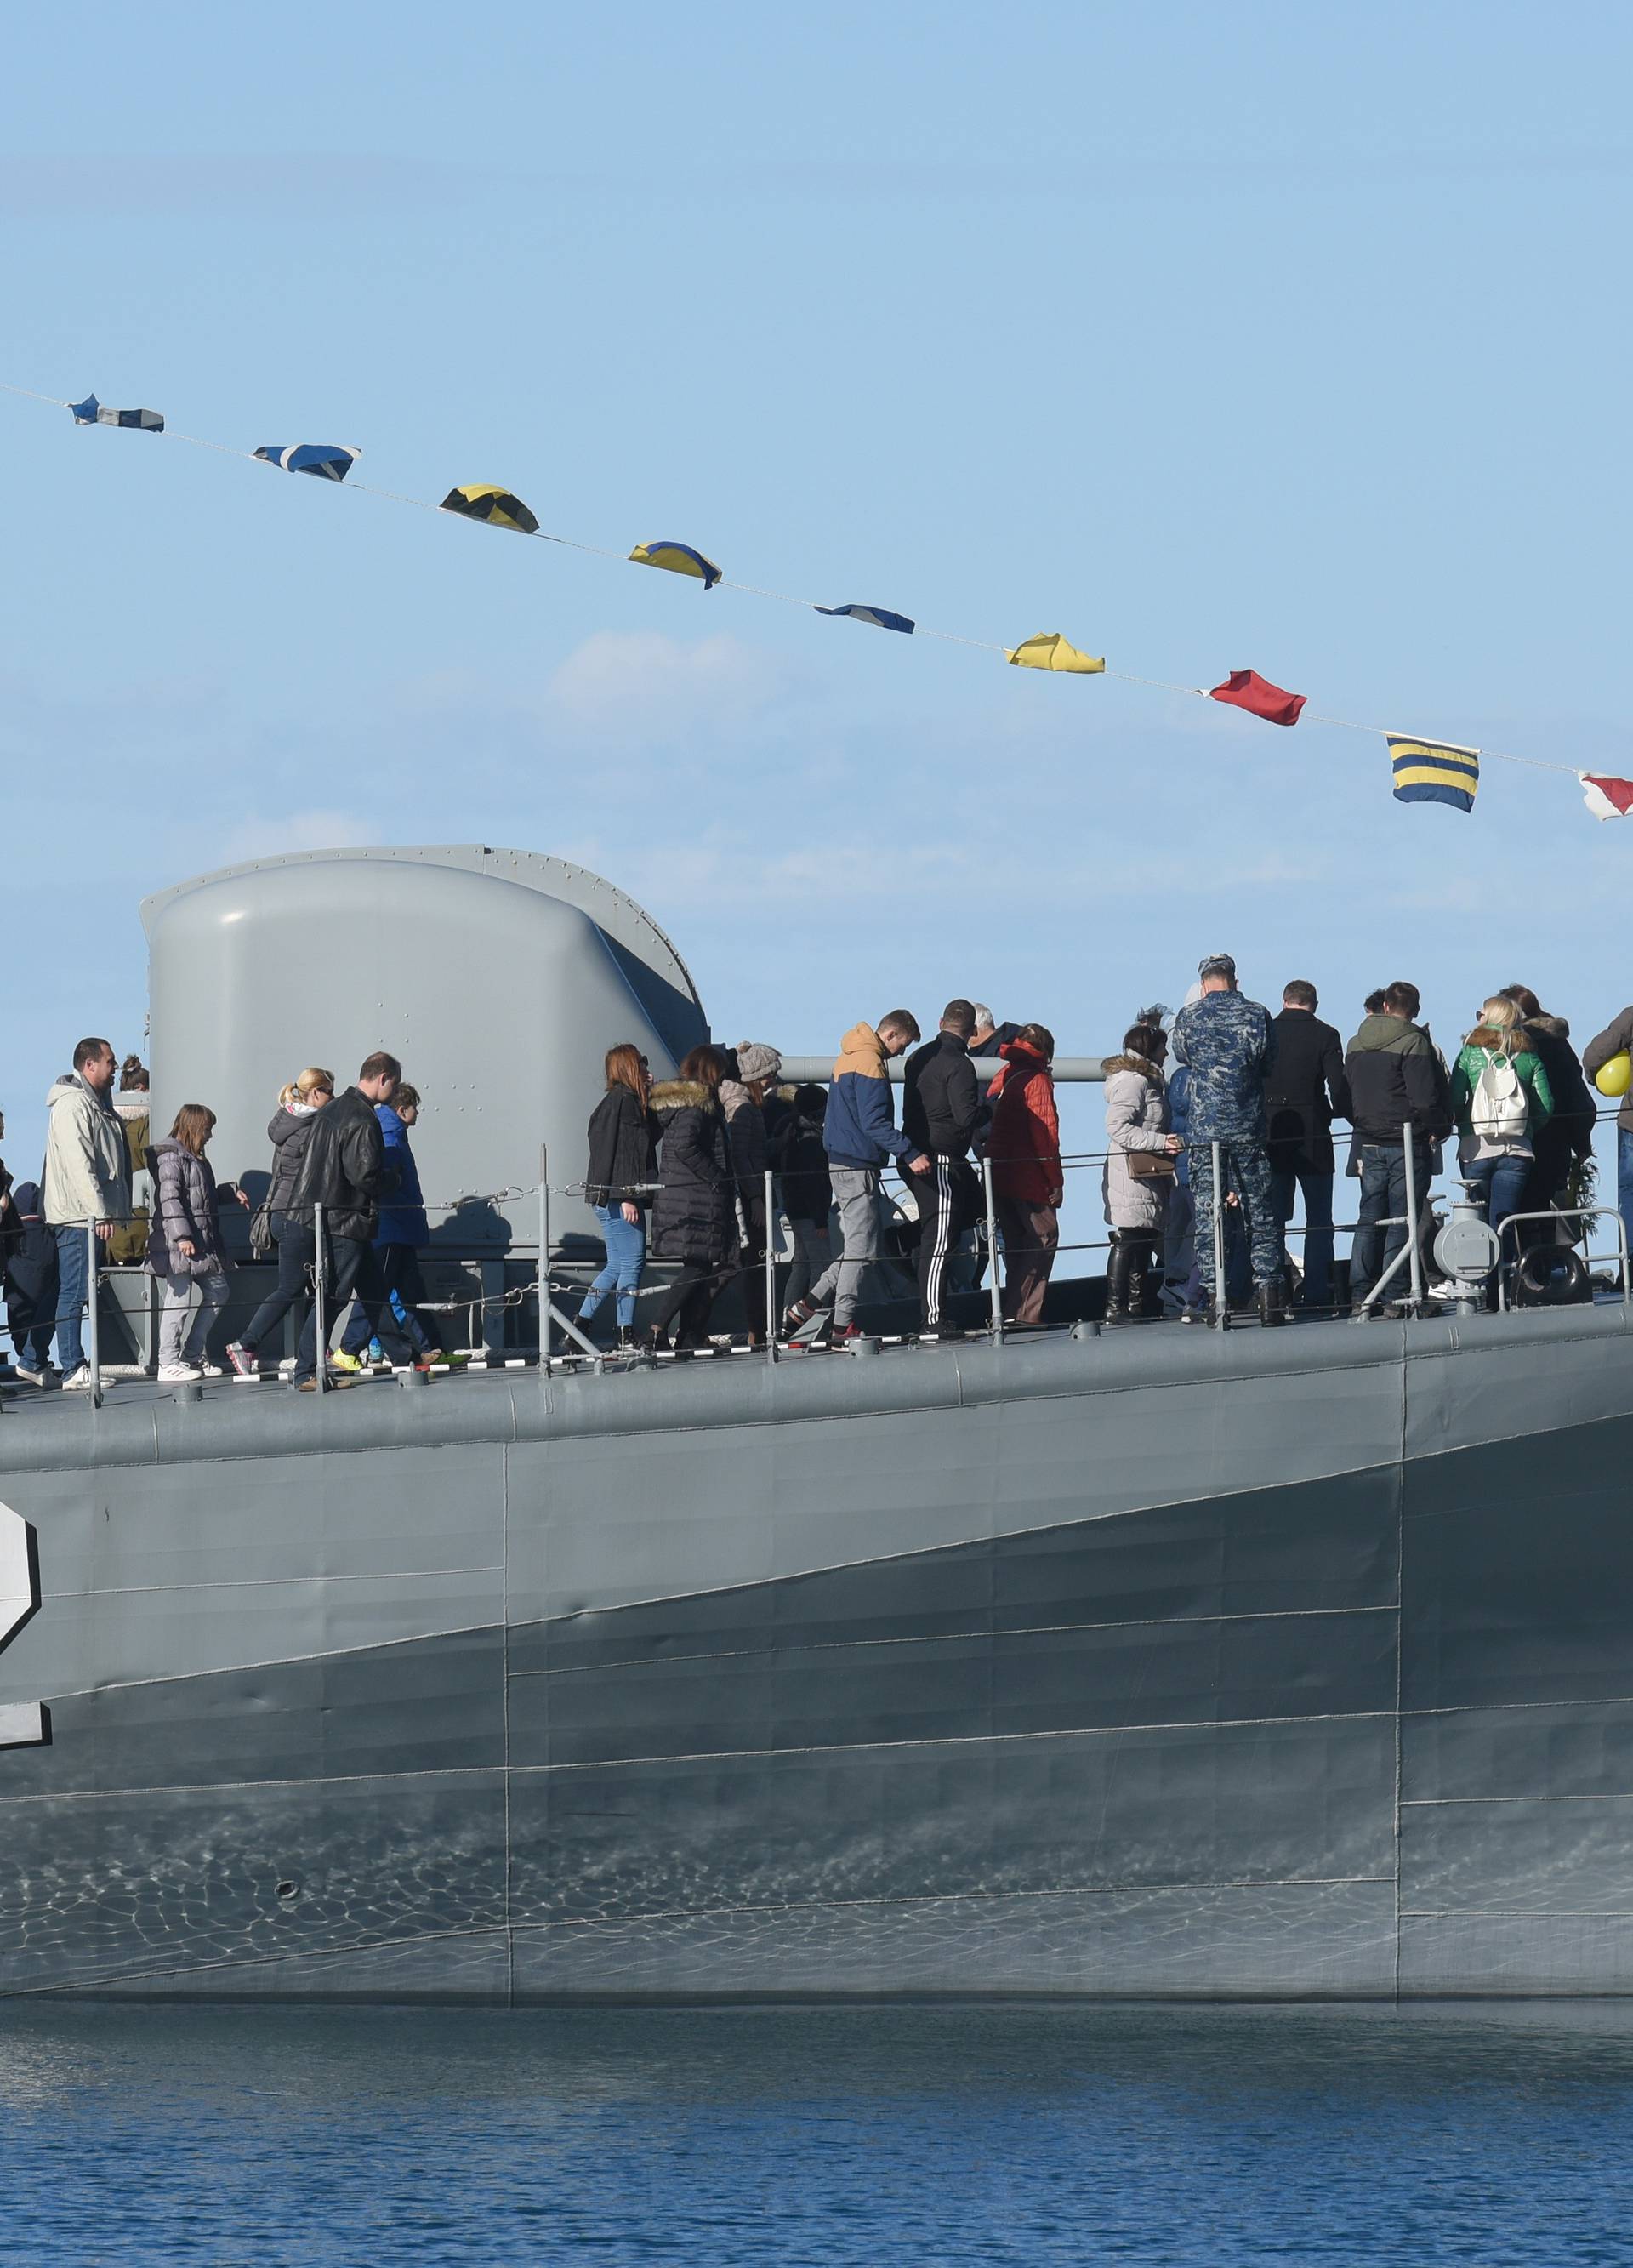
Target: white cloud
(263, 837)
(630, 683)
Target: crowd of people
(1218, 1121)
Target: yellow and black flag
(1434, 771)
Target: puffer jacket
(859, 1127)
(1136, 1118)
(1228, 1043)
(87, 1169)
(694, 1217)
(185, 1206)
(1023, 1145)
(342, 1168)
(288, 1130)
(402, 1214)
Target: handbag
(261, 1237)
(1149, 1165)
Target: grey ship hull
(1295, 1663)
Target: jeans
(403, 1336)
(1317, 1189)
(855, 1193)
(1504, 1182)
(354, 1267)
(626, 1251)
(71, 1294)
(192, 1304)
(1383, 1197)
(296, 1250)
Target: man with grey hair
(1228, 1044)
(988, 1037)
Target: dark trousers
(296, 1250)
(31, 1318)
(947, 1205)
(1031, 1235)
(1317, 1189)
(753, 1265)
(400, 1272)
(690, 1298)
(353, 1267)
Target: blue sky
(1268, 336)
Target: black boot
(1119, 1266)
(1272, 1303)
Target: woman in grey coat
(1137, 1125)
(184, 1244)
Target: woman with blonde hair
(184, 1243)
(1500, 1097)
(289, 1130)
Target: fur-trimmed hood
(1151, 1071)
(1556, 1026)
(683, 1094)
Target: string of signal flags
(1422, 770)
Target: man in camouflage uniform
(1228, 1043)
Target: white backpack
(1499, 1107)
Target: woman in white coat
(1136, 1193)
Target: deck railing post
(1221, 1297)
(93, 1345)
(320, 1303)
(992, 1250)
(1411, 1156)
(544, 1257)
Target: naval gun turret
(500, 979)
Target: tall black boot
(1119, 1270)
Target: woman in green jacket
(1501, 1096)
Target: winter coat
(185, 1205)
(1023, 1145)
(1228, 1042)
(1616, 1038)
(808, 1192)
(87, 1170)
(1395, 1078)
(996, 1040)
(288, 1130)
(622, 1149)
(1481, 1048)
(941, 1098)
(859, 1129)
(1567, 1134)
(1136, 1118)
(745, 1130)
(696, 1215)
(402, 1212)
(342, 1168)
(1305, 1091)
(31, 1264)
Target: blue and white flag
(327, 460)
(881, 617)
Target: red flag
(1245, 688)
(1607, 798)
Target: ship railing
(1619, 1253)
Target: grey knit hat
(755, 1061)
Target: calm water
(877, 2136)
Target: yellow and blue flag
(679, 559)
(1434, 771)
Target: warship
(1143, 1663)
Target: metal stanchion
(93, 1345)
(1221, 1297)
(992, 1250)
(544, 1258)
(1409, 1156)
(770, 1268)
(319, 1305)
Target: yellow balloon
(1615, 1077)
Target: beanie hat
(755, 1061)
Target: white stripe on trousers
(943, 1240)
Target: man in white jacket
(86, 1179)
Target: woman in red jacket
(1027, 1184)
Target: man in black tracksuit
(940, 1105)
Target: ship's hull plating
(1284, 1664)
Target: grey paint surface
(525, 971)
(1279, 1663)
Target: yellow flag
(1050, 651)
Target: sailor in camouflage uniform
(1228, 1043)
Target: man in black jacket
(1305, 1091)
(342, 1168)
(1396, 1079)
(940, 1104)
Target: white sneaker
(176, 1374)
(33, 1377)
(78, 1381)
(212, 1370)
